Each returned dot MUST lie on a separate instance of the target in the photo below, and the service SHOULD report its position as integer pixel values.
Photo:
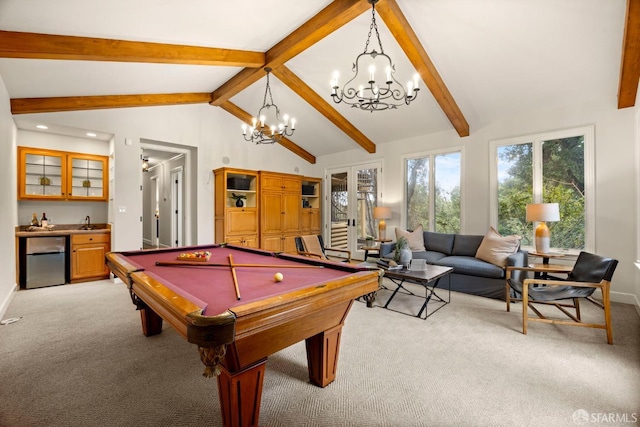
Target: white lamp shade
(543, 212)
(382, 212)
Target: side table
(373, 248)
(368, 249)
(545, 256)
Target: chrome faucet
(88, 219)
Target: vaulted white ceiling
(496, 57)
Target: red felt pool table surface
(235, 337)
(212, 288)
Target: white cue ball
(278, 277)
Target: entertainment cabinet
(276, 208)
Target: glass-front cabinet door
(41, 174)
(59, 175)
(87, 177)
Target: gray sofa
(470, 274)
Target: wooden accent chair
(313, 246)
(589, 273)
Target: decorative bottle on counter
(44, 222)
(34, 220)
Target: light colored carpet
(77, 357)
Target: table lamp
(542, 212)
(382, 213)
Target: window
(433, 192)
(556, 167)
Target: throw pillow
(496, 248)
(415, 238)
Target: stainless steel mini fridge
(46, 260)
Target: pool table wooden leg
(240, 394)
(151, 322)
(322, 356)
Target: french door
(352, 193)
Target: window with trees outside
(555, 167)
(433, 192)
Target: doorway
(354, 192)
(169, 195)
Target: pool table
(239, 316)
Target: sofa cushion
(466, 245)
(496, 249)
(414, 238)
(430, 256)
(472, 266)
(439, 242)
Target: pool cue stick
(215, 264)
(233, 274)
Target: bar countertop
(61, 230)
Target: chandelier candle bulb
(372, 71)
(415, 81)
(293, 124)
(388, 75)
(269, 116)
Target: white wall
(8, 193)
(615, 172)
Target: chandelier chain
(373, 26)
(268, 90)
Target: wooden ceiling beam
(48, 46)
(402, 31)
(630, 62)
(76, 103)
(285, 75)
(285, 142)
(328, 20)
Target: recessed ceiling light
(42, 127)
(91, 134)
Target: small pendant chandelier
(370, 94)
(261, 133)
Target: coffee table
(429, 278)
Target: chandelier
(260, 133)
(370, 94)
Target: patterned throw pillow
(496, 249)
(415, 238)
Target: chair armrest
(387, 249)
(562, 283)
(309, 254)
(517, 263)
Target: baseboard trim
(5, 304)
